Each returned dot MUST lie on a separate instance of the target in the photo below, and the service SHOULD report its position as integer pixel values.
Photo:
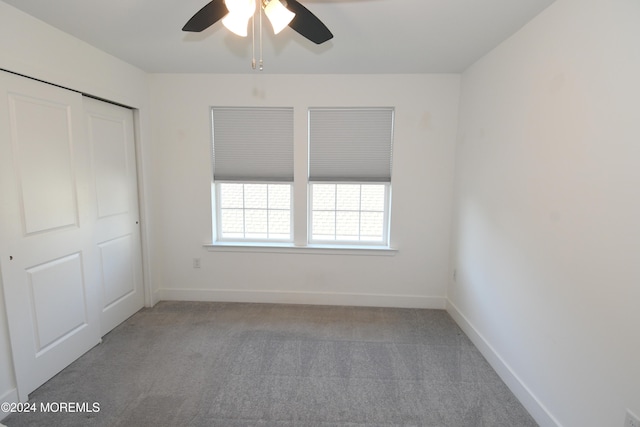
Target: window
(352, 213)
(350, 174)
(254, 211)
(253, 173)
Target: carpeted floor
(231, 364)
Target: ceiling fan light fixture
(236, 24)
(240, 12)
(278, 14)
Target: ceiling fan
(235, 15)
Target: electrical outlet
(631, 420)
(196, 264)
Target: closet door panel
(34, 121)
(47, 218)
(117, 230)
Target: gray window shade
(350, 144)
(252, 144)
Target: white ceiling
(370, 36)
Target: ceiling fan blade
(307, 24)
(207, 16)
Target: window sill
(290, 248)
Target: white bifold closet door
(117, 232)
(70, 265)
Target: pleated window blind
(252, 144)
(350, 144)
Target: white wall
(547, 224)
(426, 125)
(35, 49)
(32, 48)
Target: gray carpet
(230, 364)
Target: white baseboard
(313, 298)
(10, 396)
(537, 410)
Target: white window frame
(343, 242)
(217, 212)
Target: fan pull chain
(253, 42)
(260, 37)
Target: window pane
(371, 225)
(258, 211)
(231, 196)
(279, 196)
(324, 225)
(348, 197)
(255, 221)
(255, 196)
(324, 197)
(359, 213)
(373, 198)
(232, 221)
(279, 224)
(347, 225)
